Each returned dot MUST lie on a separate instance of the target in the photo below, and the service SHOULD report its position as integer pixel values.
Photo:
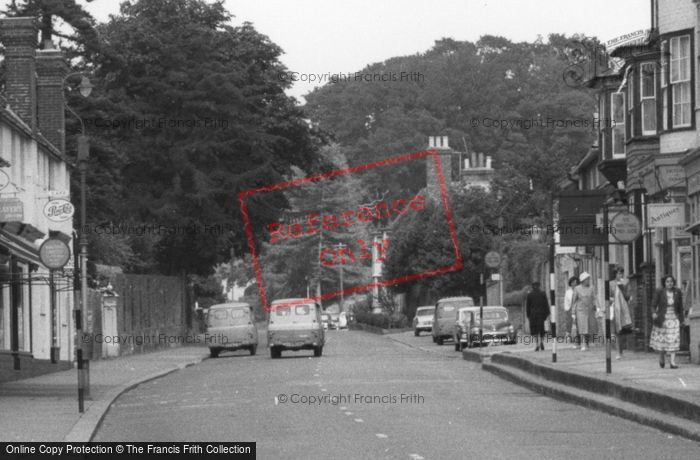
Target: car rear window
(456, 304)
(499, 315)
(218, 317)
(293, 311)
(448, 309)
(426, 312)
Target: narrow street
(453, 408)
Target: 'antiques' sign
(666, 215)
(11, 210)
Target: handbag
(626, 329)
(658, 322)
(622, 311)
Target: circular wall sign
(54, 253)
(625, 227)
(492, 259)
(59, 210)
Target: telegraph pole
(339, 247)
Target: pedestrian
(667, 317)
(585, 307)
(618, 309)
(568, 302)
(537, 311)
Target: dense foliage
(467, 89)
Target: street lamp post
(85, 89)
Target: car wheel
(253, 350)
(457, 347)
(214, 352)
(440, 341)
(275, 352)
(434, 339)
(416, 332)
(318, 351)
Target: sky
(334, 36)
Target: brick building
(33, 171)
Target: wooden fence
(152, 312)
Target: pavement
(45, 408)
(636, 389)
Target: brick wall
(445, 157)
(51, 68)
(642, 289)
(676, 15)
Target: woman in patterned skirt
(667, 316)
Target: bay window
(679, 81)
(617, 116)
(647, 97)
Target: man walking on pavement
(537, 311)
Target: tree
(289, 265)
(68, 12)
(192, 112)
(420, 242)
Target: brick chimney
(51, 68)
(441, 145)
(19, 36)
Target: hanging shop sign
(625, 227)
(4, 179)
(59, 210)
(11, 210)
(54, 253)
(637, 37)
(666, 215)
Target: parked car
(295, 324)
(342, 320)
(423, 321)
(335, 319)
(445, 316)
(325, 320)
(334, 311)
(231, 326)
(497, 329)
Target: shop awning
(693, 228)
(11, 237)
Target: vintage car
(497, 329)
(231, 326)
(295, 324)
(445, 316)
(423, 321)
(325, 320)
